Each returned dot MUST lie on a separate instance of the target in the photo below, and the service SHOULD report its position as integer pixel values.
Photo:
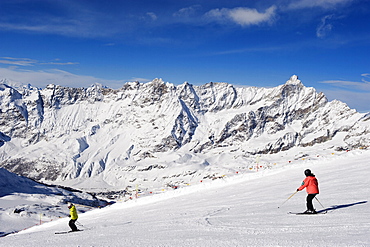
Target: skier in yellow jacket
(73, 215)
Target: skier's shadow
(335, 207)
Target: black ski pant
(310, 197)
(72, 225)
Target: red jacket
(311, 184)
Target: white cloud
(41, 78)
(325, 27)
(17, 61)
(31, 62)
(152, 16)
(187, 12)
(242, 16)
(69, 29)
(365, 76)
(301, 4)
(60, 63)
(362, 85)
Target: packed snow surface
(248, 209)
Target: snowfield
(247, 209)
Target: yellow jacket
(73, 212)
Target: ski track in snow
(239, 212)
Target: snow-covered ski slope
(242, 211)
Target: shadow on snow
(335, 207)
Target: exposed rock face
(61, 133)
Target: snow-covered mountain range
(157, 134)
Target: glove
(297, 189)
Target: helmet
(307, 172)
(69, 204)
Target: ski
(68, 232)
(319, 212)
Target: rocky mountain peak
(293, 80)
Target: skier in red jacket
(312, 187)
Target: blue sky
(246, 43)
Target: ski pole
(320, 203)
(288, 198)
(78, 223)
